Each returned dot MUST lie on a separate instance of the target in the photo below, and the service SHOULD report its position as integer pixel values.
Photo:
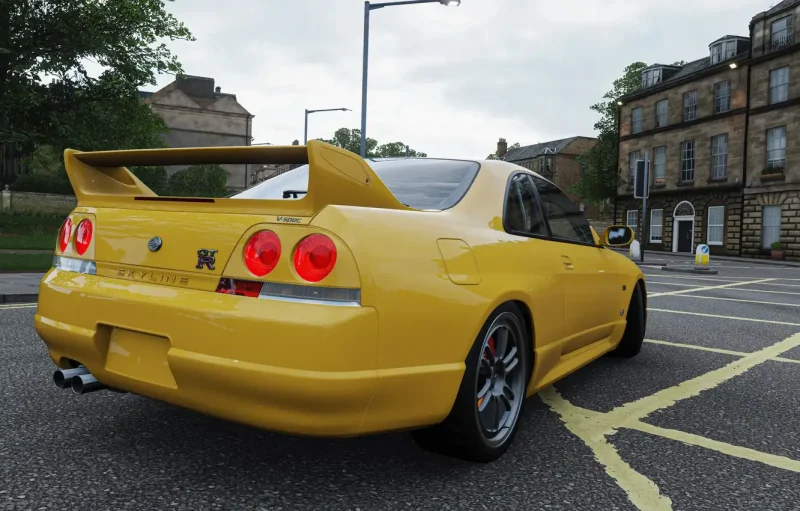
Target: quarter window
(565, 219)
(716, 225)
(522, 214)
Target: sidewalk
(19, 287)
(650, 254)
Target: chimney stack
(218, 89)
(502, 147)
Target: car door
(590, 280)
(531, 262)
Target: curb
(690, 270)
(19, 298)
(753, 260)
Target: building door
(685, 236)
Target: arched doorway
(683, 228)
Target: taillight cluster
(314, 257)
(83, 235)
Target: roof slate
(532, 151)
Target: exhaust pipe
(63, 377)
(84, 383)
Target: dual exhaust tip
(80, 380)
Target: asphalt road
(706, 418)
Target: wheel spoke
(485, 369)
(508, 395)
(507, 404)
(487, 411)
(500, 412)
(511, 354)
(510, 366)
(485, 389)
(502, 342)
(488, 355)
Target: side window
(522, 214)
(566, 220)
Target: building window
(716, 225)
(656, 225)
(632, 157)
(723, 51)
(659, 164)
(690, 105)
(719, 156)
(687, 161)
(781, 35)
(776, 147)
(632, 218)
(636, 120)
(722, 96)
(662, 110)
(779, 85)
(651, 77)
(770, 225)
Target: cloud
(447, 81)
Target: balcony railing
(781, 41)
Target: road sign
(641, 185)
(701, 255)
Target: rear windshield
(418, 183)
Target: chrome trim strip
(309, 301)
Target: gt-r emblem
(205, 257)
(154, 244)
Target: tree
(53, 38)
(350, 139)
(493, 156)
(599, 182)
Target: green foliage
(154, 177)
(600, 181)
(350, 140)
(40, 182)
(50, 39)
(199, 181)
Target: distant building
(199, 114)
(555, 160)
(721, 134)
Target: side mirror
(617, 236)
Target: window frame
(767, 245)
(660, 239)
(770, 163)
(718, 98)
(787, 30)
(723, 156)
(784, 86)
(509, 183)
(708, 226)
(656, 152)
(637, 121)
(635, 227)
(689, 106)
(693, 160)
(665, 113)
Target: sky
(448, 81)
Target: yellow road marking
(18, 306)
(724, 317)
(641, 491)
(715, 350)
(774, 460)
(641, 408)
(724, 298)
(708, 288)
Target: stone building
(199, 114)
(555, 160)
(714, 131)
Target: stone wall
(29, 202)
(789, 200)
(700, 200)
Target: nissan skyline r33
(341, 298)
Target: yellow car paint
(150, 322)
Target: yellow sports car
(341, 298)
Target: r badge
(205, 257)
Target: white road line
(641, 491)
(18, 306)
(715, 350)
(768, 291)
(741, 300)
(782, 285)
(724, 317)
(665, 275)
(707, 288)
(652, 283)
(774, 460)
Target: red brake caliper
(494, 354)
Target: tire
(633, 337)
(489, 382)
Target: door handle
(567, 262)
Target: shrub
(199, 181)
(42, 183)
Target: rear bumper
(283, 366)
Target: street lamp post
(367, 8)
(305, 129)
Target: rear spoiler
(101, 179)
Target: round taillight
(63, 236)
(315, 257)
(83, 236)
(262, 252)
